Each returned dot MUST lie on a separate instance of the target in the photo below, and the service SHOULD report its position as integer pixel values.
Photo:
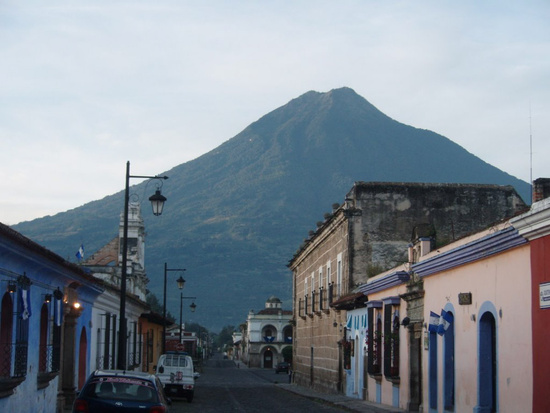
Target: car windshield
(121, 388)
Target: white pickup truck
(176, 373)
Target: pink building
(482, 360)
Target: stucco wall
(383, 391)
(501, 282)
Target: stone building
(266, 334)
(366, 235)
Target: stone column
(67, 387)
(415, 311)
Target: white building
(106, 265)
(267, 333)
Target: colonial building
(461, 327)
(266, 335)
(435, 329)
(369, 233)
(46, 312)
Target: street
(223, 387)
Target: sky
(86, 86)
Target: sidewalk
(339, 400)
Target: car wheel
(189, 399)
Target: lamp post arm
(147, 177)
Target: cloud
(90, 85)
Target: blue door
(487, 369)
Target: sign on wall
(544, 294)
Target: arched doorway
(487, 364)
(268, 359)
(82, 352)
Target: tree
(287, 354)
(156, 307)
(225, 337)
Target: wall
(501, 282)
(390, 212)
(316, 359)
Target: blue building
(46, 308)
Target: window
(104, 347)
(339, 274)
(22, 328)
(56, 329)
(391, 337)
(44, 349)
(320, 281)
(6, 330)
(374, 360)
(329, 275)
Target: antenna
(530, 152)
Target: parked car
(282, 367)
(121, 391)
(177, 374)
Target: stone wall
(389, 213)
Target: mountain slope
(235, 215)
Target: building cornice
(384, 282)
(535, 223)
(322, 233)
(482, 248)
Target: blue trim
(385, 282)
(395, 396)
(479, 249)
(374, 304)
(432, 373)
(391, 301)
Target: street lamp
(181, 283)
(193, 306)
(157, 202)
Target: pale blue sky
(87, 85)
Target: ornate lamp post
(193, 307)
(157, 202)
(181, 283)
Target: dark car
(282, 367)
(113, 391)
